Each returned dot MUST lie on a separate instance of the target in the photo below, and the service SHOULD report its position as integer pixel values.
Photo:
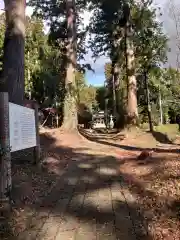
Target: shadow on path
(161, 137)
(77, 194)
(125, 147)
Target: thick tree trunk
(11, 83)
(70, 106)
(12, 79)
(132, 108)
(116, 96)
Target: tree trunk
(118, 102)
(29, 79)
(70, 106)
(12, 79)
(148, 103)
(105, 105)
(114, 96)
(132, 108)
(160, 107)
(115, 85)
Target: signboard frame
(5, 148)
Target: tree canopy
(127, 32)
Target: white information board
(22, 127)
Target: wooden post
(37, 148)
(5, 152)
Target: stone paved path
(89, 201)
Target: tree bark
(132, 108)
(114, 96)
(12, 78)
(115, 83)
(160, 107)
(70, 106)
(148, 103)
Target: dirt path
(89, 190)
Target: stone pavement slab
(90, 205)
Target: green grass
(168, 128)
(171, 130)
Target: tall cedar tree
(70, 107)
(12, 76)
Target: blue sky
(97, 78)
